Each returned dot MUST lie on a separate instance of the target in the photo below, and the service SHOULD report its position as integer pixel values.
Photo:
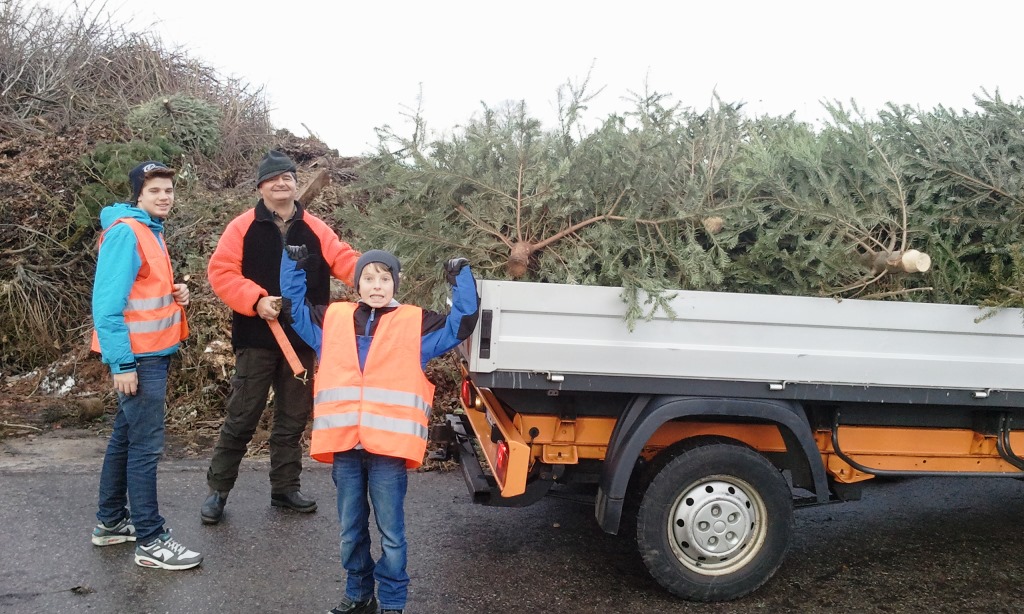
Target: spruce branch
(478, 223)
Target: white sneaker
(123, 531)
(165, 553)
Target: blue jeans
(135, 446)
(356, 473)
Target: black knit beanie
(378, 255)
(273, 164)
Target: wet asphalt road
(930, 545)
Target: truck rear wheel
(715, 522)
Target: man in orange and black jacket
(244, 272)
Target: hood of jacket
(117, 211)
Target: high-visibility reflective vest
(155, 322)
(386, 406)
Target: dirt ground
(63, 447)
(37, 418)
(40, 430)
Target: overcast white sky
(342, 68)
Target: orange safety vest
(386, 406)
(155, 322)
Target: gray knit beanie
(378, 255)
(273, 164)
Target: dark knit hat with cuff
(273, 164)
(378, 255)
(138, 176)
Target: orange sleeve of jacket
(338, 254)
(225, 269)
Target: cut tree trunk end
(910, 261)
(914, 261)
(519, 259)
(713, 225)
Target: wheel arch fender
(646, 413)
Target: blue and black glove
(452, 268)
(285, 315)
(298, 253)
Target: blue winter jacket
(440, 332)
(116, 268)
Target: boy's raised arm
(306, 320)
(461, 319)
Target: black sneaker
(347, 606)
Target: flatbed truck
(704, 426)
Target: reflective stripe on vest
(143, 304)
(386, 407)
(378, 395)
(153, 319)
(384, 423)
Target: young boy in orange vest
(371, 408)
(139, 318)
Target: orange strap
(289, 352)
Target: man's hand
(126, 383)
(268, 307)
(181, 294)
(452, 268)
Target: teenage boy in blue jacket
(139, 318)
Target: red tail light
(501, 463)
(466, 394)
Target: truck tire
(715, 522)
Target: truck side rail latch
(486, 320)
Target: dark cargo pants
(256, 370)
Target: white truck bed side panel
(750, 337)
